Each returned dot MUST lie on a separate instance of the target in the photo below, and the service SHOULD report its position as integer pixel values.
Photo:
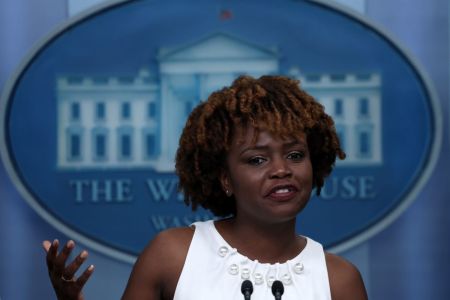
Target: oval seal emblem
(90, 122)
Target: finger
(71, 269)
(61, 259)
(51, 253)
(81, 281)
(46, 245)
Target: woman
(251, 154)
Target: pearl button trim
(223, 251)
(249, 270)
(270, 280)
(233, 269)
(258, 278)
(245, 273)
(286, 279)
(298, 268)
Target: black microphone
(247, 289)
(277, 289)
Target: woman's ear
(226, 183)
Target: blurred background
(407, 260)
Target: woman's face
(271, 179)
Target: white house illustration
(354, 102)
(135, 120)
(107, 122)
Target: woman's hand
(65, 284)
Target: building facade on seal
(135, 120)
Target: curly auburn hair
(273, 103)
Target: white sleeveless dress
(215, 270)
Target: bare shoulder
(157, 269)
(169, 246)
(170, 241)
(345, 279)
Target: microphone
(277, 289)
(247, 289)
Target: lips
(282, 192)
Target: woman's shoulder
(345, 279)
(169, 247)
(171, 239)
(159, 266)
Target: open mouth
(281, 192)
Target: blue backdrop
(405, 261)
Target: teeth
(280, 191)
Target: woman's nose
(280, 169)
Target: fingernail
(91, 267)
(83, 254)
(46, 245)
(70, 244)
(55, 242)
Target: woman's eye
(257, 160)
(296, 155)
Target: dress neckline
(221, 240)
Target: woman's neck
(267, 243)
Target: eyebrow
(265, 147)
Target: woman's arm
(156, 272)
(345, 280)
(154, 276)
